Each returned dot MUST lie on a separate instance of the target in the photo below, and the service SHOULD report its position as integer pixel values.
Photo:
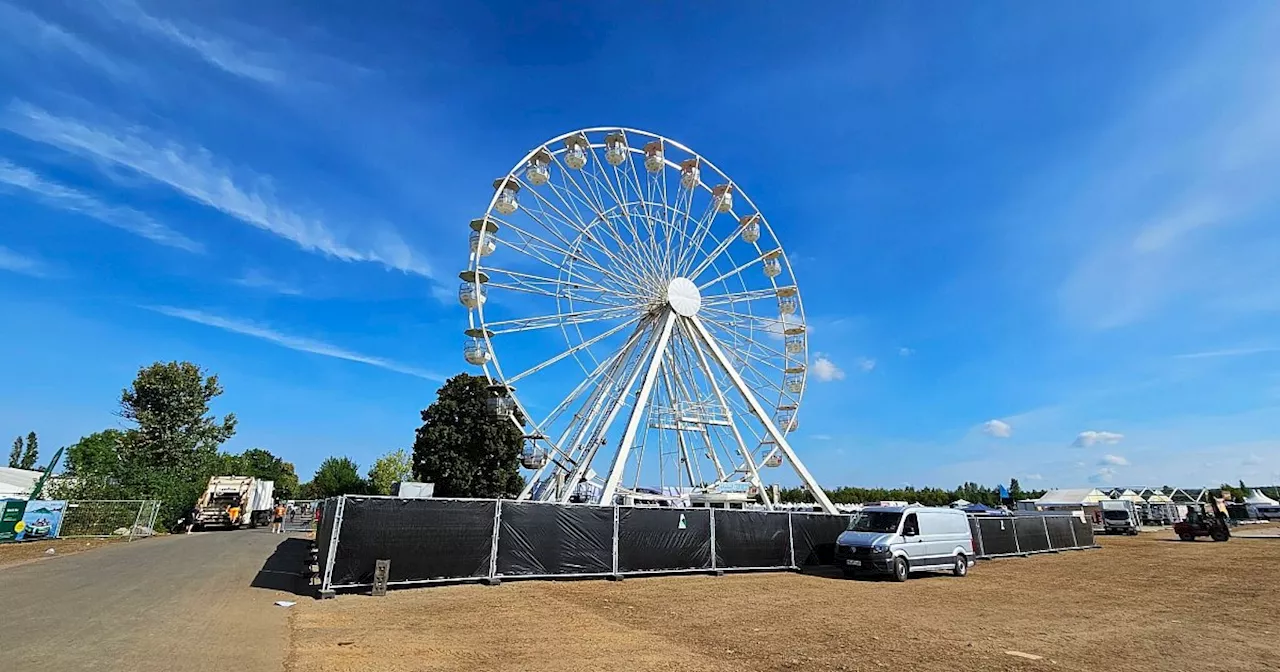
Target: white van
(898, 540)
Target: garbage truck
(235, 501)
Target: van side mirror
(909, 532)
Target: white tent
(17, 483)
(1071, 497)
(960, 503)
(1259, 505)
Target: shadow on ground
(285, 568)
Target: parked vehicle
(235, 501)
(1119, 516)
(898, 540)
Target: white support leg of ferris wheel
(758, 411)
(733, 427)
(590, 453)
(637, 410)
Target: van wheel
(900, 569)
(961, 568)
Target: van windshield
(1116, 515)
(875, 521)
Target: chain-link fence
(131, 518)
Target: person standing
(277, 518)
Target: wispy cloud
(1231, 352)
(1114, 460)
(198, 175)
(1103, 475)
(33, 32)
(820, 437)
(14, 262)
(1093, 437)
(255, 279)
(906, 352)
(867, 364)
(62, 197)
(998, 428)
(1034, 477)
(218, 51)
(826, 370)
(299, 343)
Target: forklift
(1206, 520)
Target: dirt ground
(1145, 603)
(28, 551)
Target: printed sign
(29, 520)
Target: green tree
(462, 448)
(31, 454)
(260, 463)
(173, 449)
(337, 476)
(93, 467)
(15, 455)
(1015, 490)
(170, 404)
(392, 468)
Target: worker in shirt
(277, 518)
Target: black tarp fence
(449, 540)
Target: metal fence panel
(324, 538)
(663, 539)
(537, 539)
(1031, 534)
(813, 537)
(997, 536)
(976, 532)
(130, 518)
(1084, 532)
(1060, 532)
(747, 539)
(425, 539)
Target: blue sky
(1032, 241)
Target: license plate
(853, 563)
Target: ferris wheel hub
(683, 297)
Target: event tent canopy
(17, 483)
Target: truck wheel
(961, 568)
(1187, 536)
(900, 569)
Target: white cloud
(1114, 460)
(1103, 475)
(255, 279)
(998, 428)
(1092, 437)
(196, 173)
(23, 27)
(59, 196)
(1231, 352)
(906, 352)
(17, 263)
(866, 364)
(826, 370)
(1033, 477)
(218, 51)
(298, 343)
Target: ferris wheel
(637, 318)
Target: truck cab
(1120, 517)
(898, 540)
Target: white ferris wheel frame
(647, 344)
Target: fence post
(333, 543)
(133, 530)
(979, 549)
(713, 537)
(1075, 541)
(615, 540)
(1013, 522)
(1047, 541)
(493, 552)
(791, 541)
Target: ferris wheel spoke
(582, 196)
(711, 258)
(547, 321)
(583, 345)
(740, 268)
(738, 297)
(552, 284)
(530, 240)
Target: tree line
(25, 455)
(970, 492)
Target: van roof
(911, 507)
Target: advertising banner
(22, 520)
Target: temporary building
(1161, 509)
(17, 483)
(1259, 505)
(1070, 498)
(960, 503)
